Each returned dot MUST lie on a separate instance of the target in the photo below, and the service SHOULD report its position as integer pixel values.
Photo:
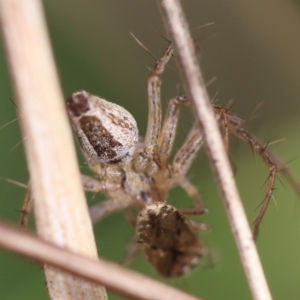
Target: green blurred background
(253, 49)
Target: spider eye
(106, 131)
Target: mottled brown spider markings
(169, 240)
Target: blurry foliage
(253, 50)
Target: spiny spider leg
(235, 126)
(187, 153)
(223, 113)
(169, 128)
(154, 102)
(27, 207)
(182, 163)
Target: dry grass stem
(117, 279)
(59, 203)
(178, 29)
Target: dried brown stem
(117, 279)
(178, 29)
(59, 203)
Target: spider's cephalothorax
(169, 240)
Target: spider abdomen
(107, 132)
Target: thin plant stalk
(60, 207)
(177, 27)
(124, 282)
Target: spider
(132, 170)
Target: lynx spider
(135, 171)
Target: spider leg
(130, 215)
(154, 102)
(235, 127)
(188, 151)
(26, 208)
(168, 133)
(91, 184)
(199, 226)
(192, 191)
(132, 251)
(105, 208)
(225, 125)
(182, 163)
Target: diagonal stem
(124, 282)
(177, 26)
